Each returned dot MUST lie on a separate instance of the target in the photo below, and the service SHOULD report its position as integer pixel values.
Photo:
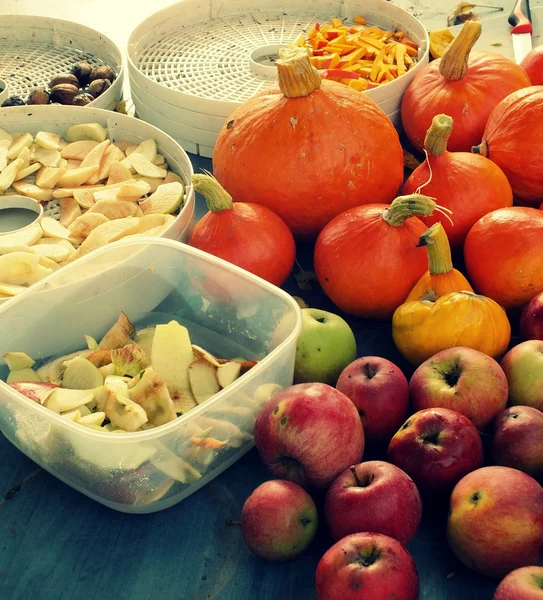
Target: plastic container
(34, 49)
(191, 64)
(228, 311)
(4, 91)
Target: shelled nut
(102, 72)
(64, 78)
(64, 93)
(98, 87)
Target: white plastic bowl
(227, 310)
(195, 117)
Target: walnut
(64, 93)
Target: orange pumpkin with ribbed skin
(366, 259)
(513, 139)
(469, 185)
(504, 255)
(463, 85)
(532, 63)
(309, 150)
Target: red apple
(496, 520)
(309, 433)
(373, 496)
(462, 379)
(35, 390)
(367, 565)
(523, 367)
(533, 65)
(278, 520)
(380, 392)
(525, 583)
(518, 440)
(436, 447)
(531, 319)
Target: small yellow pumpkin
(421, 328)
(441, 278)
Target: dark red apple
(532, 63)
(309, 433)
(380, 392)
(373, 496)
(518, 440)
(525, 583)
(367, 565)
(436, 447)
(531, 318)
(278, 520)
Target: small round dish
(18, 213)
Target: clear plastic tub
(226, 310)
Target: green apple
(325, 347)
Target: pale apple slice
(107, 233)
(78, 150)
(147, 148)
(72, 163)
(114, 209)
(18, 360)
(129, 360)
(26, 171)
(119, 335)
(63, 163)
(242, 416)
(85, 198)
(72, 415)
(84, 225)
(145, 167)
(69, 211)
(81, 374)
(107, 370)
(92, 344)
(171, 177)
(151, 393)
(120, 410)
(64, 400)
(8, 291)
(9, 174)
(18, 248)
(94, 159)
(48, 158)
(24, 237)
(48, 177)
(130, 190)
(77, 177)
(4, 147)
(85, 131)
(53, 249)
(225, 431)
(200, 353)
(38, 391)
(47, 140)
(69, 192)
(171, 355)
(149, 222)
(24, 155)
(203, 380)
(20, 142)
(118, 172)
(174, 466)
(112, 155)
(52, 370)
(266, 392)
(5, 136)
(159, 160)
(144, 339)
(153, 182)
(53, 229)
(101, 356)
(166, 200)
(22, 375)
(44, 261)
(130, 149)
(96, 419)
(22, 268)
(228, 372)
(32, 191)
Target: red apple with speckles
(436, 447)
(380, 392)
(309, 433)
(367, 565)
(373, 496)
(518, 440)
(495, 522)
(531, 319)
(525, 583)
(278, 520)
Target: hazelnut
(98, 87)
(13, 101)
(102, 72)
(82, 71)
(38, 96)
(82, 99)
(64, 93)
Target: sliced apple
(114, 209)
(166, 200)
(32, 191)
(171, 176)
(144, 339)
(118, 173)
(175, 467)
(171, 355)
(5, 136)
(145, 167)
(69, 211)
(101, 357)
(47, 140)
(18, 360)
(81, 374)
(85, 198)
(129, 360)
(83, 226)
(8, 291)
(76, 177)
(201, 353)
(38, 391)
(72, 415)
(151, 393)
(63, 400)
(24, 155)
(53, 249)
(130, 189)
(107, 370)
(147, 148)
(85, 131)
(203, 380)
(48, 177)
(119, 335)
(78, 150)
(26, 171)
(4, 147)
(22, 375)
(228, 372)
(53, 229)
(106, 233)
(27, 236)
(120, 410)
(72, 163)
(21, 141)
(22, 268)
(96, 419)
(159, 160)
(93, 159)
(48, 158)
(225, 431)
(111, 155)
(9, 174)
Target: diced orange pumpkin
(337, 22)
(300, 40)
(313, 31)
(360, 20)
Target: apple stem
(355, 475)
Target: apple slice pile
(106, 191)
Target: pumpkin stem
(435, 142)
(481, 149)
(454, 62)
(403, 207)
(297, 76)
(216, 197)
(438, 249)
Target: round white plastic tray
(4, 91)
(190, 65)
(34, 49)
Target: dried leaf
(410, 161)
(459, 12)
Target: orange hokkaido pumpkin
(467, 184)
(309, 149)
(463, 84)
(367, 260)
(532, 63)
(504, 255)
(513, 139)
